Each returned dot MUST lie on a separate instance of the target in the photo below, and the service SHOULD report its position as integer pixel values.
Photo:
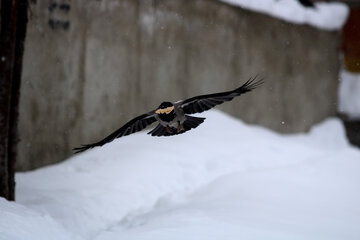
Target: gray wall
(90, 69)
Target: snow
(20, 223)
(349, 94)
(327, 16)
(224, 180)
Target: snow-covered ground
(328, 16)
(349, 94)
(223, 180)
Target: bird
(307, 3)
(174, 118)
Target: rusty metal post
(12, 37)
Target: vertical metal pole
(13, 30)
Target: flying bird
(307, 3)
(173, 118)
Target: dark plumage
(307, 3)
(173, 118)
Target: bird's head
(165, 108)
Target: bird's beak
(165, 110)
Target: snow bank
(349, 94)
(20, 223)
(328, 16)
(223, 180)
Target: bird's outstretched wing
(135, 125)
(205, 102)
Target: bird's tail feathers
(189, 123)
(192, 122)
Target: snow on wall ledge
(327, 16)
(349, 92)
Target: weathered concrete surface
(107, 61)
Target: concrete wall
(91, 66)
